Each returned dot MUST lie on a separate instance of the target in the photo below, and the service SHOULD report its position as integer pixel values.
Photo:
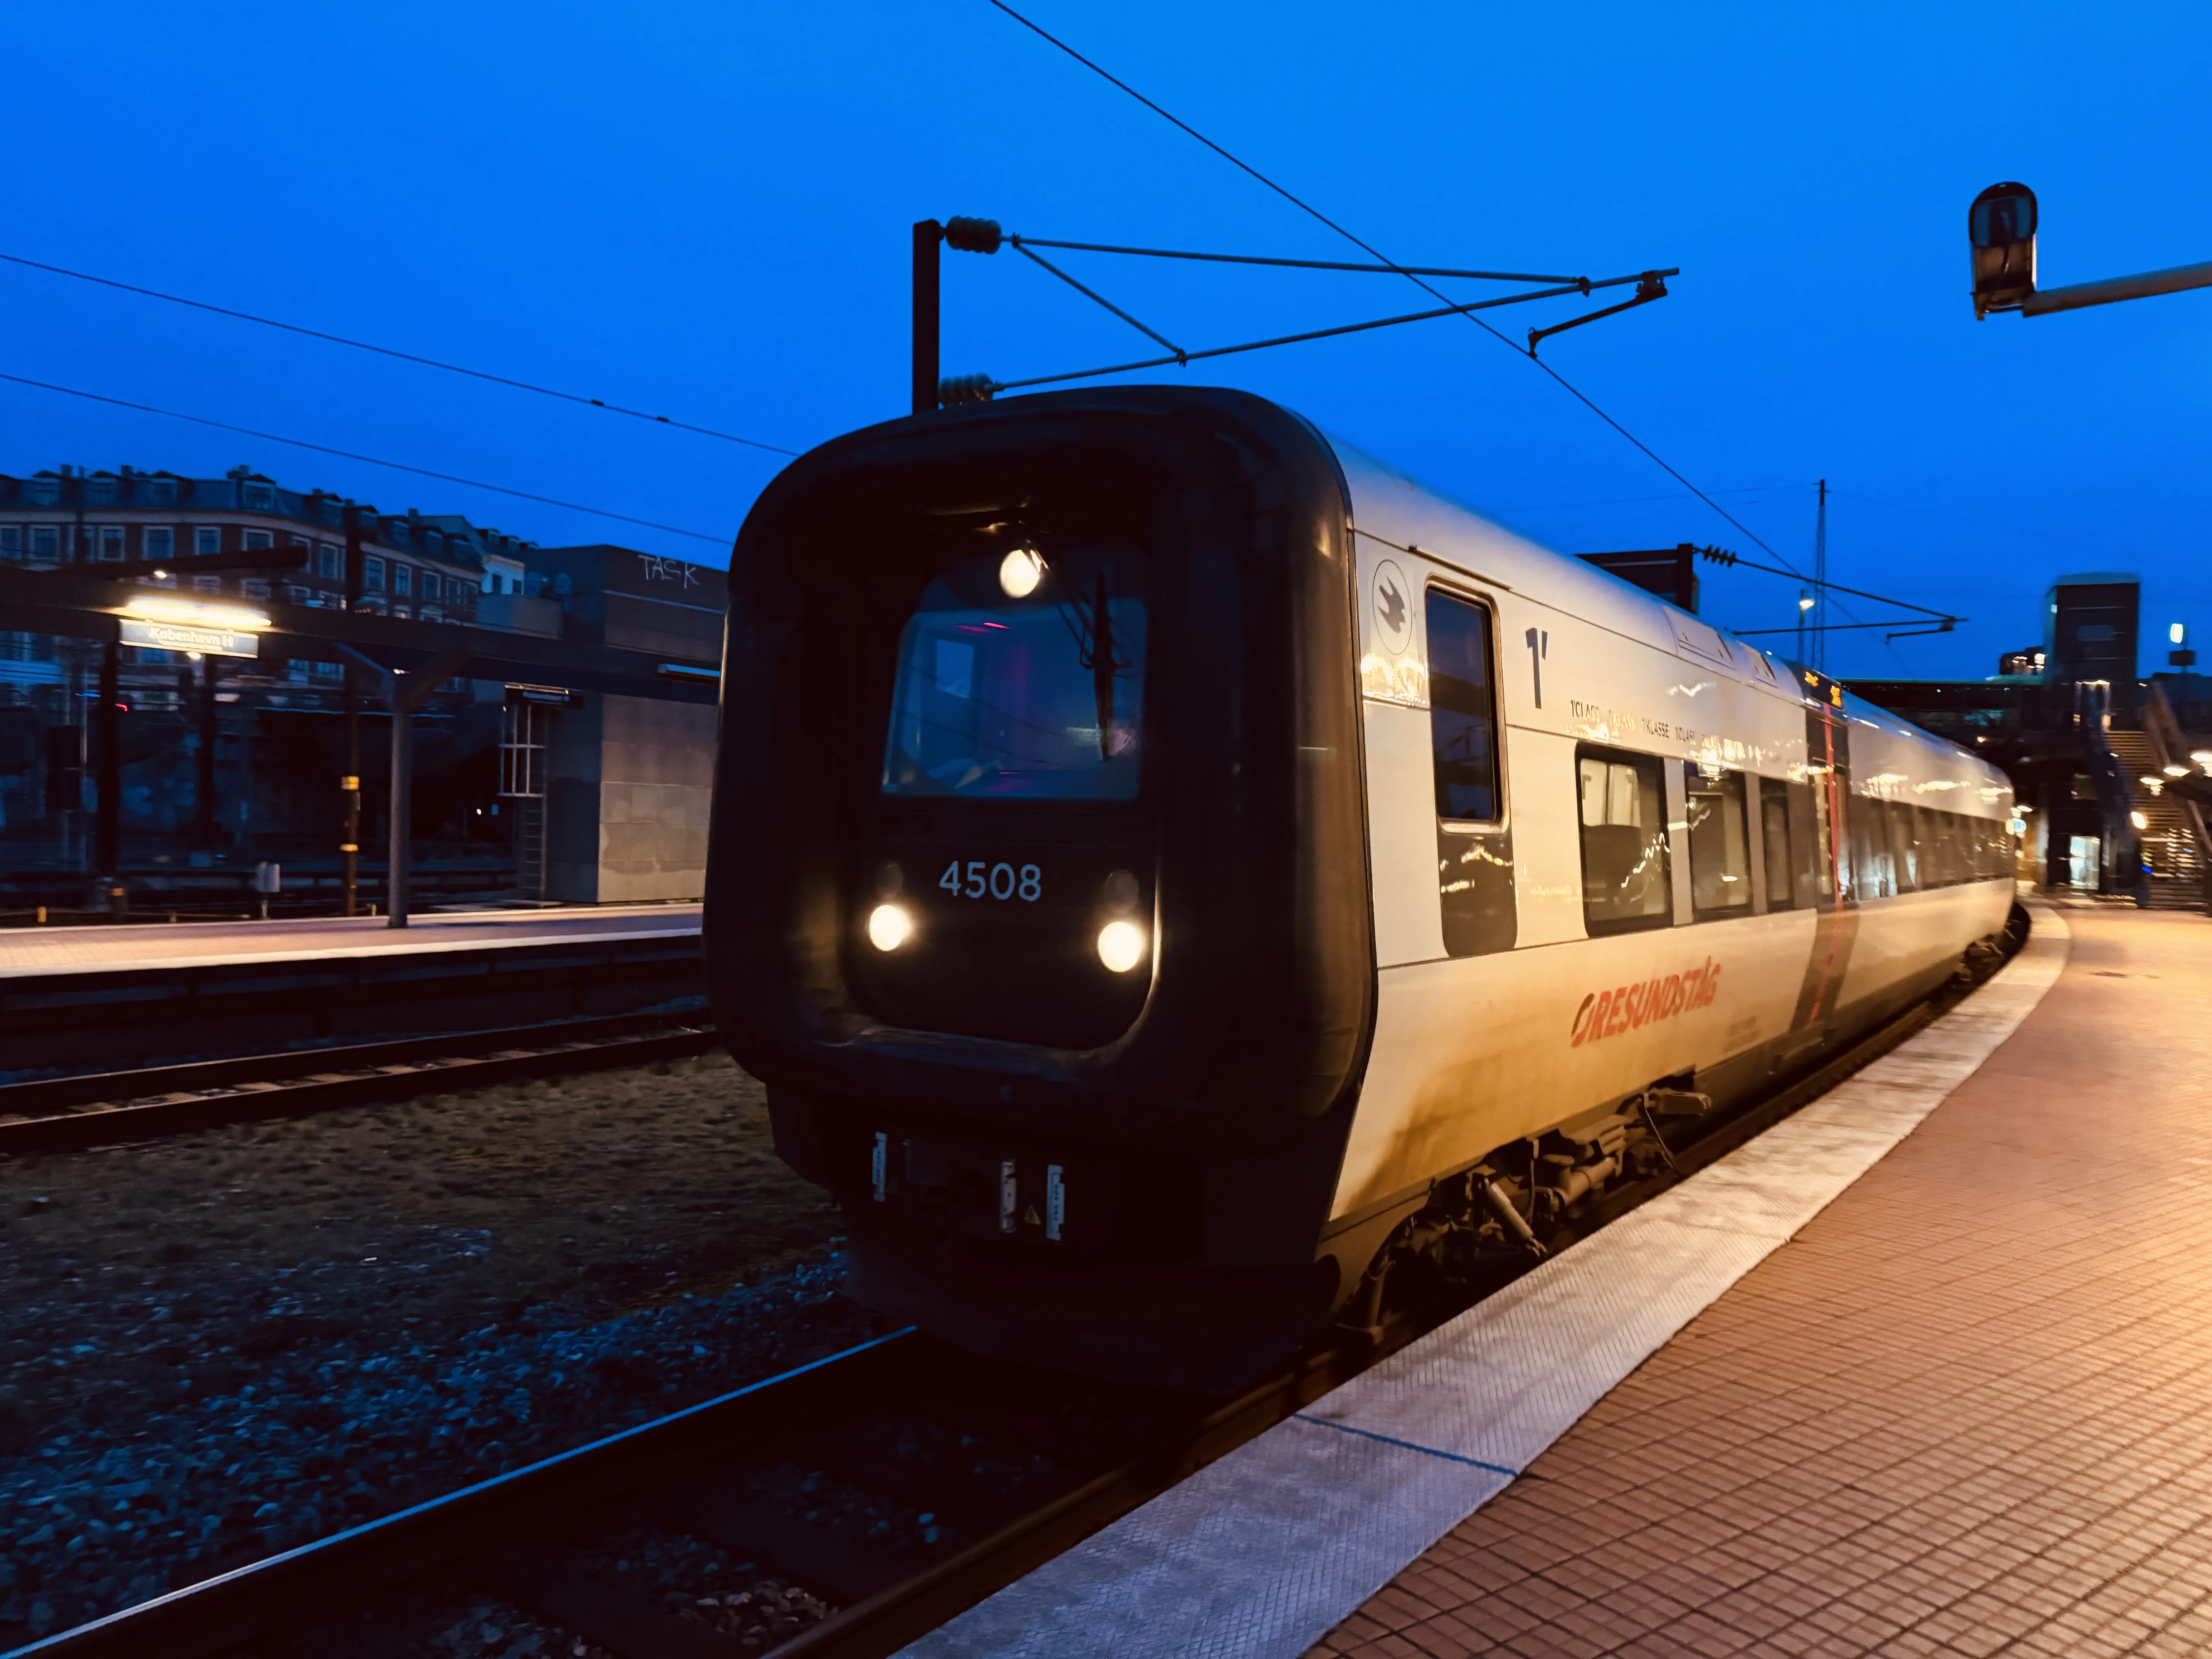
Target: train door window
(1626, 882)
(1462, 710)
(1774, 835)
(1720, 851)
(1827, 868)
(1949, 858)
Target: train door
(1828, 771)
(1439, 827)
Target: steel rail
(160, 1100)
(484, 1535)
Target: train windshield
(1021, 677)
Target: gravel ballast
(226, 1343)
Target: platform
(1925, 1370)
(97, 998)
(145, 946)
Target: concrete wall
(629, 783)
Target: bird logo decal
(1393, 605)
(1394, 610)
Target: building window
(11, 541)
(431, 613)
(99, 492)
(429, 589)
(327, 561)
(207, 584)
(155, 492)
(109, 540)
(399, 611)
(46, 543)
(260, 497)
(254, 540)
(254, 588)
(207, 538)
(43, 492)
(297, 594)
(402, 576)
(372, 575)
(396, 530)
(157, 541)
(1626, 884)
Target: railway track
(899, 1482)
(71, 1114)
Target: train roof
(1394, 508)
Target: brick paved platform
(1967, 1410)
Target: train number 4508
(980, 879)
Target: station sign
(191, 636)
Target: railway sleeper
(832, 1562)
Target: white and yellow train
(1168, 867)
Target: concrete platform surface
(1968, 1411)
(1304, 1534)
(30, 952)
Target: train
(1177, 877)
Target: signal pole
(927, 235)
(1820, 579)
(349, 785)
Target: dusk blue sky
(703, 211)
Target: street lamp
(2183, 657)
(1804, 605)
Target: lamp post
(1804, 605)
(2183, 657)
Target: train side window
(1958, 850)
(1875, 877)
(1720, 849)
(1774, 832)
(1905, 843)
(1625, 879)
(1462, 710)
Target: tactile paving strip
(1264, 1552)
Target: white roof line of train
(1611, 592)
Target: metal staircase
(2173, 832)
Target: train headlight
(1020, 572)
(1121, 945)
(888, 926)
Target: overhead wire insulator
(968, 235)
(957, 389)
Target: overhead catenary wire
(1294, 265)
(367, 460)
(1368, 248)
(1721, 556)
(1181, 356)
(1288, 339)
(393, 352)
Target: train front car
(1037, 895)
